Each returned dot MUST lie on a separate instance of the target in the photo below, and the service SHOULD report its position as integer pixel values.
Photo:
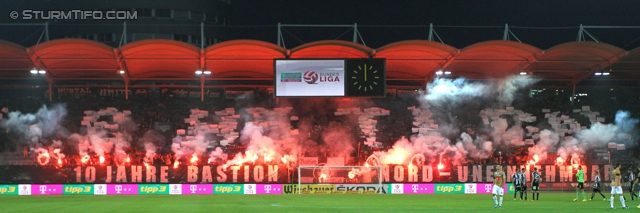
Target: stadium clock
(365, 77)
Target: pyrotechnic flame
(85, 159)
(254, 158)
(559, 161)
(366, 165)
(101, 159)
(146, 164)
(59, 161)
(176, 164)
(532, 162)
(418, 158)
(440, 166)
(128, 159)
(267, 158)
(284, 158)
(352, 174)
(323, 176)
(194, 159)
(536, 158)
(372, 161)
(575, 161)
(43, 158)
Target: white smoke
(510, 85)
(571, 147)
(150, 151)
(454, 92)
(447, 93)
(217, 154)
(338, 140)
(33, 127)
(547, 143)
(176, 147)
(472, 149)
(599, 135)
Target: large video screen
(330, 78)
(309, 78)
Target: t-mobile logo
(118, 189)
(193, 189)
(43, 189)
(267, 189)
(414, 188)
(487, 188)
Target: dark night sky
(542, 14)
(557, 20)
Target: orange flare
(194, 159)
(440, 166)
(559, 160)
(536, 158)
(352, 175)
(85, 159)
(101, 159)
(43, 158)
(175, 164)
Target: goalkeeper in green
(580, 187)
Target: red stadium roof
(72, 58)
(14, 60)
(331, 49)
(242, 58)
(415, 59)
(412, 60)
(159, 58)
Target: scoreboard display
(329, 78)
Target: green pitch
(549, 202)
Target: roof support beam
(123, 67)
(35, 59)
(202, 68)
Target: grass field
(549, 202)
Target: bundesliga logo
(310, 77)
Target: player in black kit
(596, 186)
(535, 184)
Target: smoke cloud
(33, 127)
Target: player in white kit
(498, 184)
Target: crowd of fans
(164, 114)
